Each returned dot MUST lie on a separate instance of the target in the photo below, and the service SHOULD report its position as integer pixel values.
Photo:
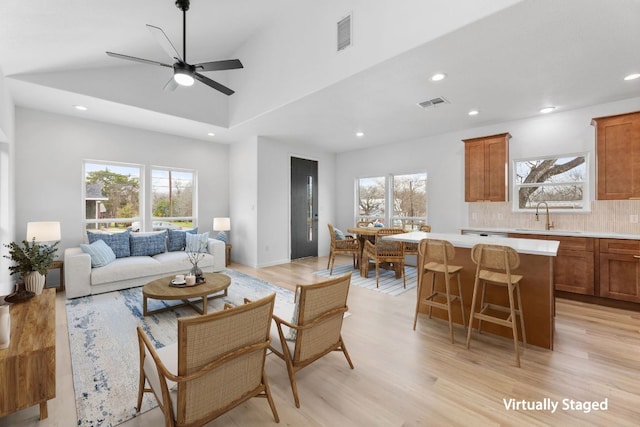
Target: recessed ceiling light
(80, 107)
(211, 134)
(632, 76)
(474, 112)
(359, 134)
(546, 110)
(437, 77)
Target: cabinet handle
(636, 256)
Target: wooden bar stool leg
(472, 309)
(464, 319)
(514, 325)
(433, 288)
(419, 291)
(524, 334)
(448, 292)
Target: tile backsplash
(609, 216)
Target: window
(409, 201)
(114, 196)
(111, 195)
(172, 198)
(398, 200)
(561, 182)
(371, 199)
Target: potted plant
(31, 260)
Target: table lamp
(43, 232)
(222, 225)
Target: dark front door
(304, 208)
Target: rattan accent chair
(434, 257)
(315, 329)
(347, 246)
(385, 252)
(216, 365)
(495, 264)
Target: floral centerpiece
(31, 261)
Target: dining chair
(216, 364)
(346, 246)
(385, 252)
(412, 248)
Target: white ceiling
(509, 64)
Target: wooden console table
(28, 366)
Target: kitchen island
(536, 287)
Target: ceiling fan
(184, 74)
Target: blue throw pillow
(197, 242)
(148, 244)
(119, 242)
(177, 239)
(339, 234)
(101, 254)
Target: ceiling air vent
(344, 33)
(433, 102)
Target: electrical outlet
(633, 219)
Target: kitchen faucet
(548, 225)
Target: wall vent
(433, 102)
(344, 33)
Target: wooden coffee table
(159, 289)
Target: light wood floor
(417, 378)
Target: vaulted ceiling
(505, 58)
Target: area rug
(104, 344)
(388, 284)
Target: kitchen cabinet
(486, 168)
(574, 265)
(618, 156)
(619, 263)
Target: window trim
(586, 190)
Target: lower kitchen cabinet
(619, 264)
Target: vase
(196, 271)
(34, 282)
(5, 326)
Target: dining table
(536, 286)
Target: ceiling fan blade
(133, 58)
(229, 64)
(164, 42)
(213, 84)
(171, 85)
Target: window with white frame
(562, 182)
(397, 200)
(172, 198)
(112, 196)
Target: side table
(228, 254)
(58, 264)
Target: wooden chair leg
(464, 319)
(419, 291)
(267, 392)
(448, 295)
(472, 309)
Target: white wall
(243, 209)
(274, 193)
(7, 211)
(442, 157)
(50, 150)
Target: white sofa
(128, 272)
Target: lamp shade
(47, 231)
(221, 224)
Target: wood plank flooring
(417, 378)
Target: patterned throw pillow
(177, 239)
(197, 242)
(339, 234)
(118, 242)
(101, 254)
(148, 243)
(293, 333)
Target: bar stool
(433, 257)
(494, 266)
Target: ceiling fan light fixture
(183, 78)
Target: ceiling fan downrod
(183, 5)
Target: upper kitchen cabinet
(618, 156)
(486, 168)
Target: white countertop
(523, 246)
(570, 233)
